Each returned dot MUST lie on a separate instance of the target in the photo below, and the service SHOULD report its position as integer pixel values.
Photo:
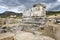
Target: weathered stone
(7, 36)
(30, 36)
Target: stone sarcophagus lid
(39, 10)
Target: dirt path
(57, 35)
(57, 31)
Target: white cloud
(58, 0)
(17, 9)
(11, 5)
(33, 0)
(10, 2)
(52, 5)
(5, 7)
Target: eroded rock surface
(30, 36)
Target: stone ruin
(29, 26)
(35, 20)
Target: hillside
(52, 13)
(8, 13)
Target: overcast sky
(20, 5)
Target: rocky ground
(30, 36)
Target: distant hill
(8, 13)
(52, 12)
